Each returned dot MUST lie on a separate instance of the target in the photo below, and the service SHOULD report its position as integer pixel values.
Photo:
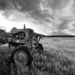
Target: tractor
(23, 42)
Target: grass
(62, 46)
(58, 58)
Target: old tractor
(23, 42)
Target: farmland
(58, 58)
(62, 46)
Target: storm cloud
(44, 16)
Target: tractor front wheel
(21, 55)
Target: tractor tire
(39, 47)
(21, 55)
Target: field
(62, 46)
(58, 58)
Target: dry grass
(57, 59)
(62, 46)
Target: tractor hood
(15, 30)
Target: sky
(49, 17)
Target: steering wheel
(2, 28)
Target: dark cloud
(40, 17)
(26, 6)
(3, 4)
(31, 9)
(56, 4)
(63, 25)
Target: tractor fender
(39, 47)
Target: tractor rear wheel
(21, 55)
(39, 47)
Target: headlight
(17, 41)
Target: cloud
(44, 16)
(55, 4)
(71, 28)
(3, 4)
(27, 11)
(62, 14)
(27, 7)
